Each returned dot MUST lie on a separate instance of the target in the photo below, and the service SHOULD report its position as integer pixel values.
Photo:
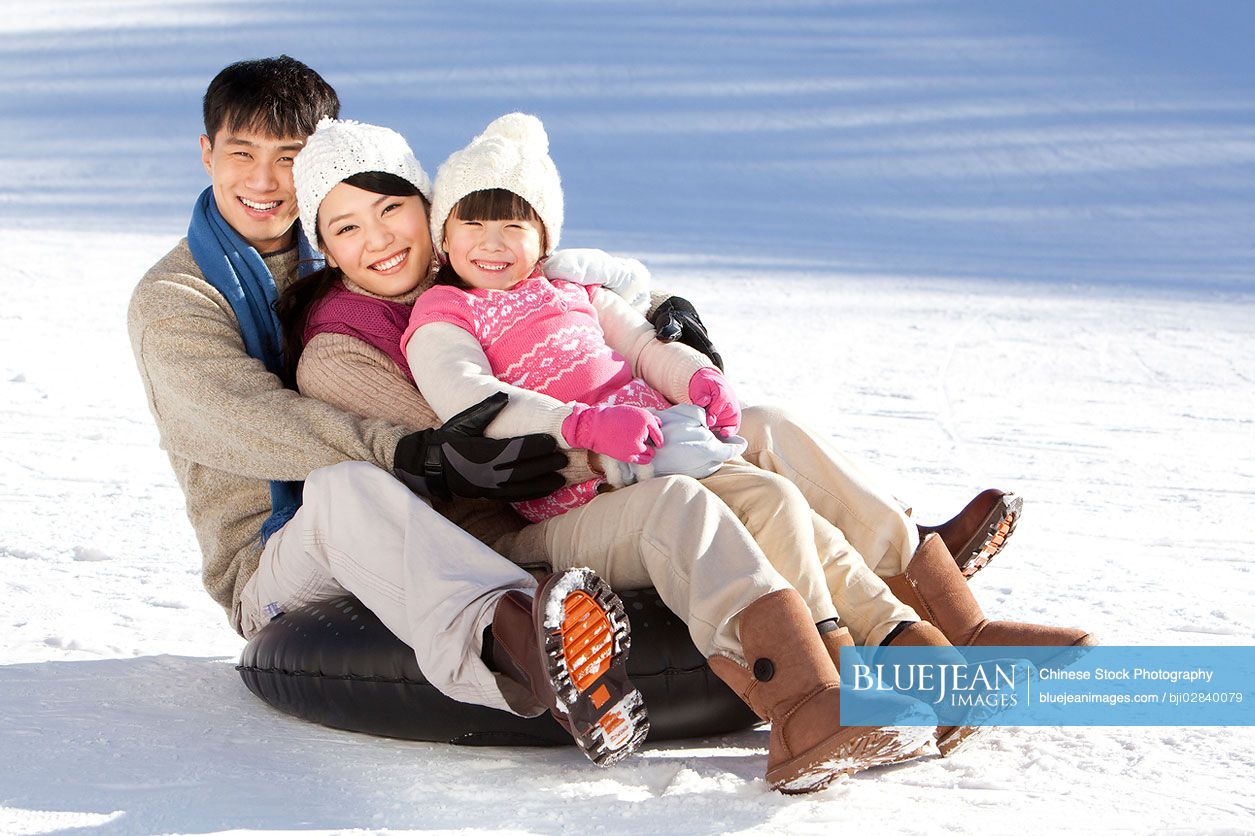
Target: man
(207, 345)
(240, 443)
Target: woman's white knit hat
(512, 154)
(340, 148)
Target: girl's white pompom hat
(340, 148)
(512, 154)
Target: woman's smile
(392, 263)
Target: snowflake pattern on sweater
(543, 336)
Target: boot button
(764, 670)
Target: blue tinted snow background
(978, 244)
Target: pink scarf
(376, 322)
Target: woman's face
(495, 255)
(381, 242)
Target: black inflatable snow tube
(334, 663)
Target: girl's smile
(494, 255)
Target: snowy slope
(1016, 241)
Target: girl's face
(495, 255)
(381, 242)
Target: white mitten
(688, 448)
(625, 276)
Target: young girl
(667, 531)
(575, 361)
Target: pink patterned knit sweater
(543, 336)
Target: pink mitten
(710, 390)
(626, 433)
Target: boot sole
(847, 752)
(586, 646)
(996, 529)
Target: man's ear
(206, 154)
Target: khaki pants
(670, 533)
(361, 531)
(810, 552)
(711, 548)
(868, 516)
(435, 587)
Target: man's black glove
(676, 320)
(456, 460)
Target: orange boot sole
(586, 646)
(998, 529)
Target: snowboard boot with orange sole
(568, 645)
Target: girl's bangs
(494, 205)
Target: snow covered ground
(979, 244)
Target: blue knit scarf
(237, 271)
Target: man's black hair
(278, 97)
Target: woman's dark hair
(446, 275)
(490, 205)
(278, 97)
(298, 299)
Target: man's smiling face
(252, 183)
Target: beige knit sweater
(227, 424)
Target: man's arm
(676, 320)
(216, 405)
(356, 377)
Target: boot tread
(586, 647)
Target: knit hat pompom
(512, 154)
(340, 148)
(521, 128)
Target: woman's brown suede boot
(919, 634)
(933, 586)
(923, 634)
(838, 641)
(791, 682)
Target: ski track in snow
(1017, 256)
